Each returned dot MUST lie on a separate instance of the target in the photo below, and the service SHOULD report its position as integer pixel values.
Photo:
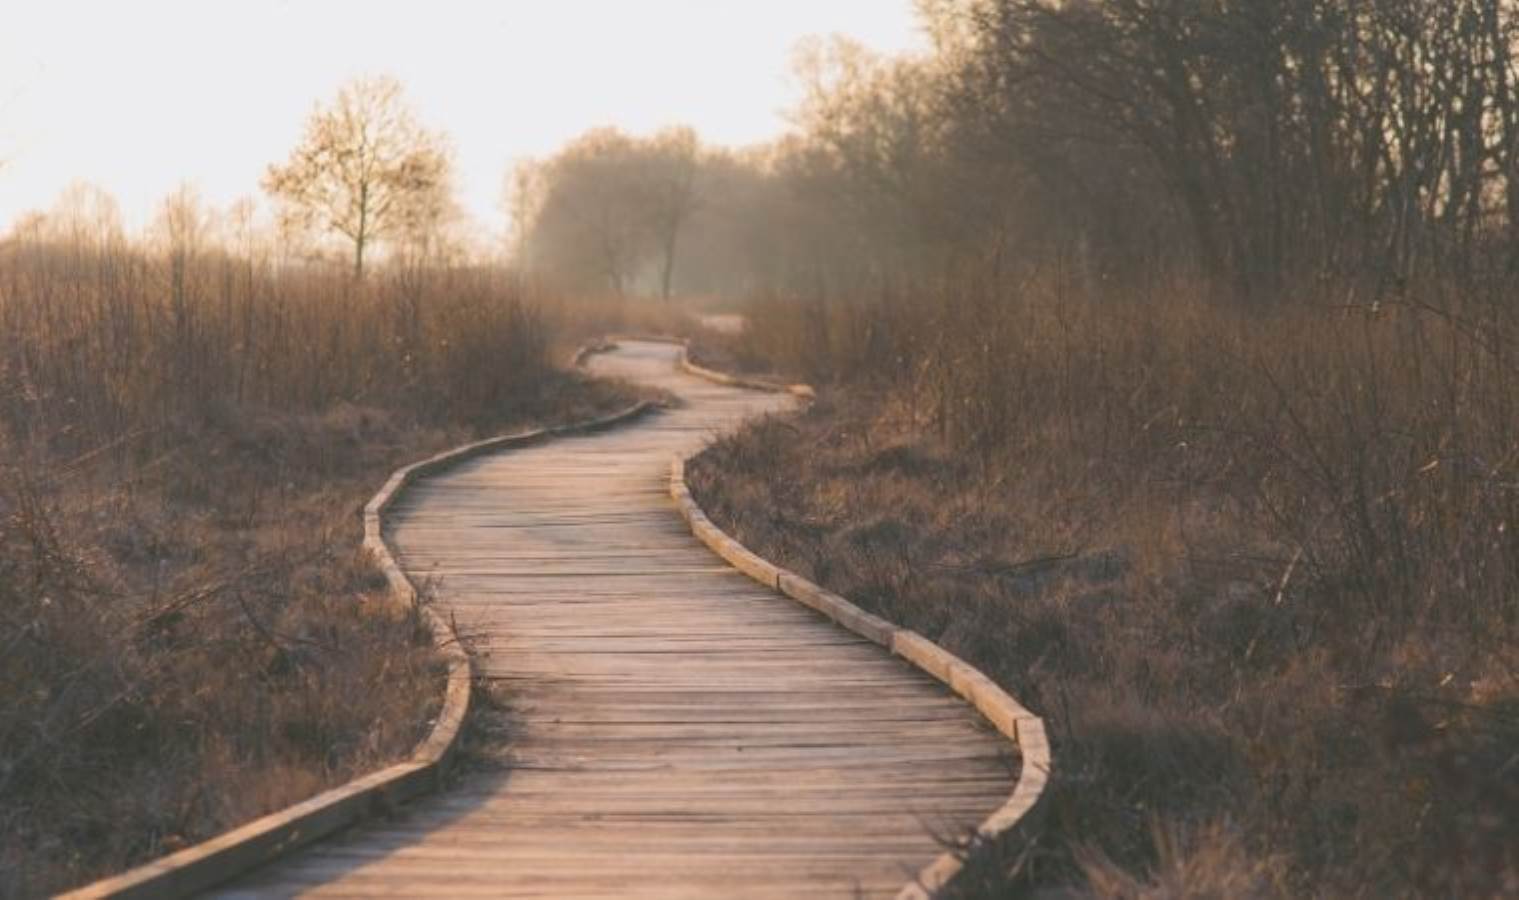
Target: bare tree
(608, 208)
(86, 216)
(522, 200)
(590, 221)
(182, 231)
(365, 169)
(671, 161)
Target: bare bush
(1257, 570)
(189, 634)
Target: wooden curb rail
(804, 391)
(279, 833)
(1010, 718)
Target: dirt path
(677, 730)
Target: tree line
(1264, 146)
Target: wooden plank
(670, 728)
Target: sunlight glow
(140, 97)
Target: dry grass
(189, 634)
(1258, 571)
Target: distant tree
(182, 230)
(874, 143)
(609, 208)
(671, 161)
(592, 218)
(86, 216)
(365, 169)
(522, 199)
(182, 233)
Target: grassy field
(1257, 569)
(189, 633)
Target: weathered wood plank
(675, 730)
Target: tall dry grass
(1258, 569)
(189, 634)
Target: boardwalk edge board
(277, 834)
(1026, 730)
(686, 365)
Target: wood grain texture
(279, 833)
(1021, 812)
(677, 730)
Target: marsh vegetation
(1166, 356)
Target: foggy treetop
(1260, 144)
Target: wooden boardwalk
(676, 730)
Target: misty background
(140, 98)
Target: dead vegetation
(1169, 377)
(189, 634)
(1256, 569)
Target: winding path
(676, 730)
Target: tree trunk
(362, 235)
(668, 272)
(1508, 120)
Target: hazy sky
(139, 96)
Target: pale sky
(140, 96)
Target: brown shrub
(189, 634)
(1257, 569)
